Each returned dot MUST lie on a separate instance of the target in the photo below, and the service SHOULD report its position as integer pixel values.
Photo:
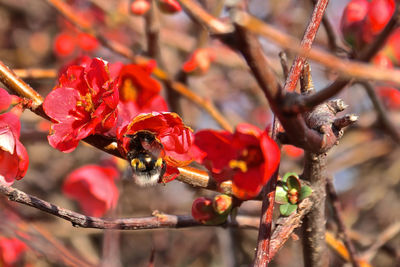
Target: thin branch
(337, 214)
(346, 68)
(306, 43)
(35, 73)
(389, 233)
(152, 30)
(383, 118)
(330, 32)
(157, 221)
(198, 14)
(9, 79)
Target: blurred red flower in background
(362, 20)
(14, 159)
(169, 6)
(138, 91)
(168, 129)
(83, 103)
(292, 151)
(390, 97)
(11, 250)
(199, 61)
(140, 7)
(248, 157)
(66, 43)
(94, 188)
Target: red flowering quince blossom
(14, 159)
(83, 103)
(138, 91)
(11, 250)
(199, 62)
(168, 129)
(390, 97)
(363, 20)
(94, 188)
(248, 157)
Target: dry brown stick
(383, 118)
(337, 214)
(119, 48)
(306, 43)
(158, 220)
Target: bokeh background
(365, 165)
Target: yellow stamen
(240, 164)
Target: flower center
(86, 102)
(249, 157)
(128, 91)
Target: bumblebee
(145, 158)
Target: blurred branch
(341, 249)
(36, 73)
(152, 30)
(124, 51)
(199, 15)
(347, 68)
(383, 118)
(389, 233)
(337, 214)
(305, 45)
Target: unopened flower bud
(222, 204)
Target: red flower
(353, 20)
(139, 92)
(248, 157)
(11, 250)
(64, 44)
(94, 188)
(169, 130)
(212, 211)
(199, 62)
(379, 14)
(84, 103)
(390, 96)
(293, 151)
(140, 7)
(87, 42)
(5, 100)
(14, 159)
(169, 6)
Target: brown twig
(306, 43)
(152, 30)
(346, 68)
(383, 118)
(337, 214)
(198, 14)
(8, 78)
(330, 32)
(158, 220)
(35, 73)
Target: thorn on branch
(345, 121)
